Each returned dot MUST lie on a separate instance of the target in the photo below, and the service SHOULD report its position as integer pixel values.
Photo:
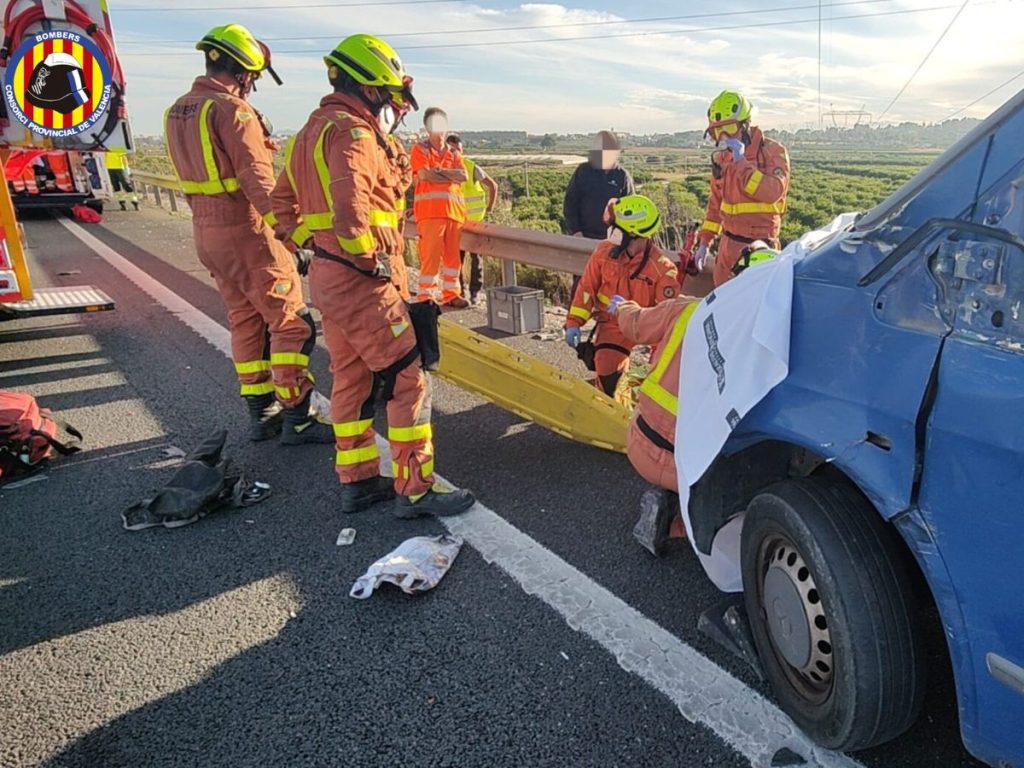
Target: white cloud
(656, 82)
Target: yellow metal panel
(13, 238)
(531, 388)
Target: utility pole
(819, 65)
(526, 168)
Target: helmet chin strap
(621, 247)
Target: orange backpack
(29, 435)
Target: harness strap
(653, 435)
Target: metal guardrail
(558, 253)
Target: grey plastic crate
(515, 310)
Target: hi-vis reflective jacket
(646, 280)
(216, 145)
(344, 182)
(473, 192)
(437, 199)
(662, 327)
(749, 196)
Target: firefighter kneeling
(650, 441)
(344, 178)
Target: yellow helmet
(636, 215)
(756, 253)
(371, 61)
(238, 42)
(726, 112)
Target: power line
(689, 30)
(279, 7)
(923, 61)
(985, 96)
(533, 27)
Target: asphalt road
(234, 641)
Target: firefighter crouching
(343, 179)
(217, 146)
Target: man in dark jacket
(592, 185)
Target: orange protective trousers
(440, 259)
(272, 333)
(609, 362)
(367, 331)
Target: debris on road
(417, 565)
(26, 481)
(547, 336)
(202, 485)
(346, 537)
(173, 452)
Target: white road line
(704, 692)
(205, 326)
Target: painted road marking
(703, 691)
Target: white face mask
(615, 235)
(386, 118)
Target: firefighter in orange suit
(650, 441)
(440, 212)
(217, 146)
(343, 179)
(749, 184)
(629, 264)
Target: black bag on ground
(424, 316)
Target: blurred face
(604, 151)
(437, 128)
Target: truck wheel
(829, 597)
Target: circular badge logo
(58, 84)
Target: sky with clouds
(594, 65)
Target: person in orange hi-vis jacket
(218, 149)
(749, 184)
(650, 441)
(440, 212)
(344, 179)
(628, 264)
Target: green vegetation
(825, 183)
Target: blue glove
(736, 146)
(613, 306)
(572, 336)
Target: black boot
(363, 494)
(433, 502)
(136, 204)
(300, 428)
(658, 508)
(266, 416)
(124, 206)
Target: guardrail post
(174, 199)
(508, 272)
(156, 195)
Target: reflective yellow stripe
(352, 428)
(580, 312)
(301, 235)
(357, 455)
(214, 184)
(289, 150)
(210, 187)
(652, 385)
(379, 218)
(271, 219)
(263, 388)
(357, 246)
(754, 183)
(289, 358)
(603, 299)
(400, 204)
(427, 469)
(409, 434)
(400, 472)
(288, 393)
(738, 209)
(318, 221)
(712, 226)
(252, 366)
